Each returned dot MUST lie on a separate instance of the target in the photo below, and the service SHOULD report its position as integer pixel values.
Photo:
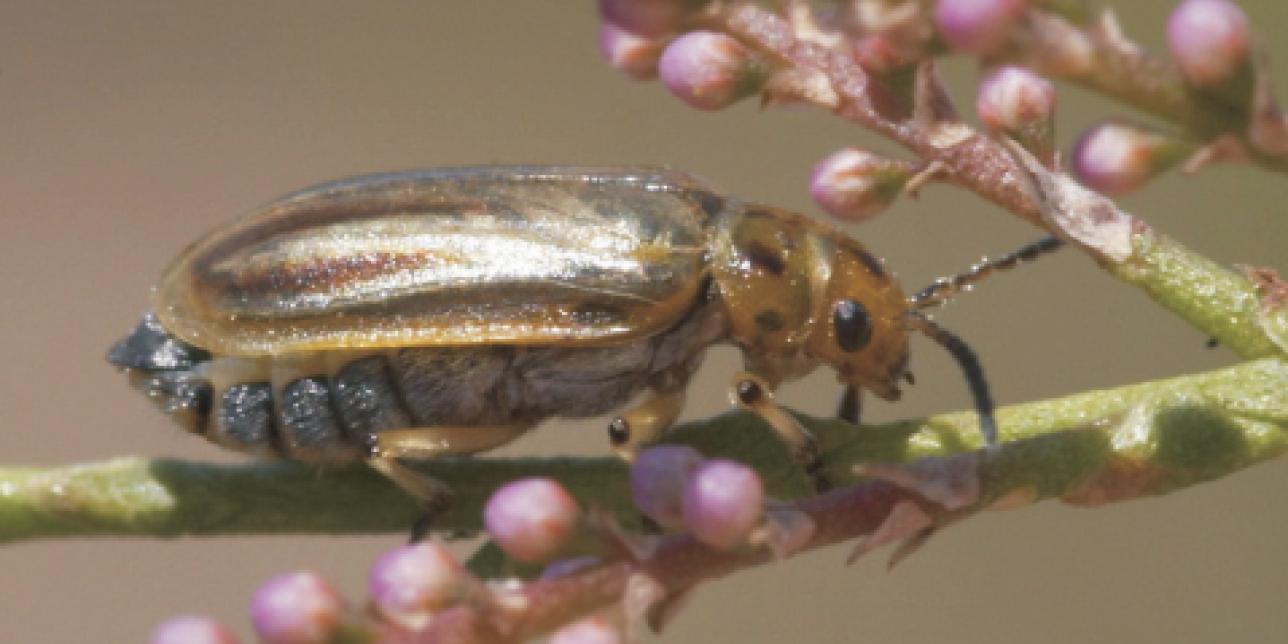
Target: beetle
(418, 314)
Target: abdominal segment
(328, 406)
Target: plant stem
(1151, 439)
(168, 498)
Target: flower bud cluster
(706, 70)
(532, 520)
(720, 501)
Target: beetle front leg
(386, 448)
(755, 395)
(645, 423)
(851, 408)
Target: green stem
(1214, 299)
(1203, 426)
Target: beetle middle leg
(755, 395)
(388, 448)
(645, 423)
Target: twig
(1151, 439)
(167, 498)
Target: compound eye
(852, 324)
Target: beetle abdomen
(328, 405)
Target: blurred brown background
(129, 128)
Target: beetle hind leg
(433, 495)
(387, 449)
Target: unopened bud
(723, 502)
(855, 184)
(532, 520)
(977, 26)
(190, 629)
(630, 53)
(658, 477)
(709, 70)
(296, 608)
(410, 582)
(1016, 102)
(1117, 158)
(1209, 40)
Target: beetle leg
(646, 422)
(851, 407)
(386, 448)
(754, 394)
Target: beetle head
(859, 328)
(798, 293)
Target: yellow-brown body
(447, 311)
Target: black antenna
(969, 363)
(944, 288)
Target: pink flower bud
(1209, 40)
(708, 70)
(856, 185)
(634, 55)
(410, 582)
(977, 26)
(651, 18)
(1013, 98)
(593, 630)
(723, 502)
(1016, 102)
(1117, 158)
(190, 629)
(532, 520)
(658, 477)
(296, 608)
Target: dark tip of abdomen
(152, 348)
(183, 397)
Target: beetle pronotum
(439, 312)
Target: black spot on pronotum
(873, 264)
(852, 324)
(769, 321)
(765, 258)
